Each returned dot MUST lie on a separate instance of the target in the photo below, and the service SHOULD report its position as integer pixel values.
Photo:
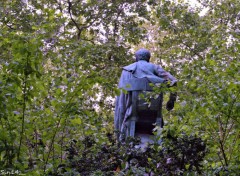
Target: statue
(147, 73)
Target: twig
(55, 132)
(223, 152)
(80, 28)
(23, 114)
(75, 23)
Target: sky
(195, 3)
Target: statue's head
(143, 54)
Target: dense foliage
(60, 61)
(174, 156)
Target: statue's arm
(165, 75)
(173, 82)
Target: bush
(174, 156)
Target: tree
(61, 60)
(56, 58)
(203, 52)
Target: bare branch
(81, 26)
(75, 23)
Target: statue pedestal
(148, 139)
(145, 140)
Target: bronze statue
(136, 77)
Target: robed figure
(142, 68)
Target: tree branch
(75, 23)
(192, 50)
(81, 27)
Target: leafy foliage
(202, 50)
(173, 157)
(59, 66)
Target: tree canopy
(60, 61)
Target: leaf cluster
(174, 156)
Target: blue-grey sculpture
(147, 73)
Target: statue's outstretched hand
(173, 96)
(170, 105)
(173, 83)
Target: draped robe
(141, 69)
